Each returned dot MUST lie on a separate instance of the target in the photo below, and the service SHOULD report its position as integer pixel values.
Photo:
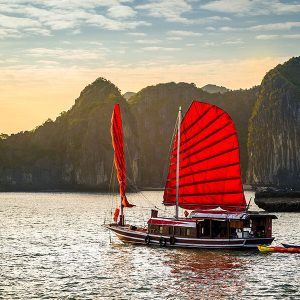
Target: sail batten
(209, 175)
(119, 157)
(202, 171)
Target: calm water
(53, 246)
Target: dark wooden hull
(141, 236)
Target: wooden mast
(178, 160)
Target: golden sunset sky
(50, 50)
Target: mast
(177, 163)
(122, 215)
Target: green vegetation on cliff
(74, 151)
(274, 128)
(156, 110)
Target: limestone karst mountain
(127, 95)
(74, 152)
(274, 131)
(156, 110)
(213, 89)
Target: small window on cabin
(170, 230)
(188, 231)
(161, 229)
(154, 229)
(177, 230)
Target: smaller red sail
(209, 169)
(119, 158)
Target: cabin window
(188, 231)
(161, 229)
(154, 229)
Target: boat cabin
(214, 225)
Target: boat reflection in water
(208, 274)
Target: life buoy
(147, 239)
(162, 241)
(172, 240)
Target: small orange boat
(266, 249)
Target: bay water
(54, 246)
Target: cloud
(183, 33)
(267, 37)
(154, 48)
(121, 11)
(277, 36)
(176, 11)
(7, 32)
(170, 10)
(147, 41)
(137, 33)
(66, 54)
(103, 22)
(174, 38)
(52, 15)
(251, 7)
(218, 18)
(13, 22)
(263, 27)
(275, 26)
(38, 31)
(233, 42)
(228, 28)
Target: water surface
(53, 245)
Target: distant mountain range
(74, 152)
(213, 89)
(127, 95)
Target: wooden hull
(140, 236)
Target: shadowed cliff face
(75, 151)
(156, 110)
(274, 131)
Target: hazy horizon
(50, 50)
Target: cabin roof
(172, 222)
(214, 214)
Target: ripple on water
(53, 246)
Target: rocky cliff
(274, 129)
(156, 110)
(73, 152)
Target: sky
(51, 49)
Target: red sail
(209, 168)
(119, 159)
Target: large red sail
(119, 159)
(209, 168)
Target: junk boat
(204, 179)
